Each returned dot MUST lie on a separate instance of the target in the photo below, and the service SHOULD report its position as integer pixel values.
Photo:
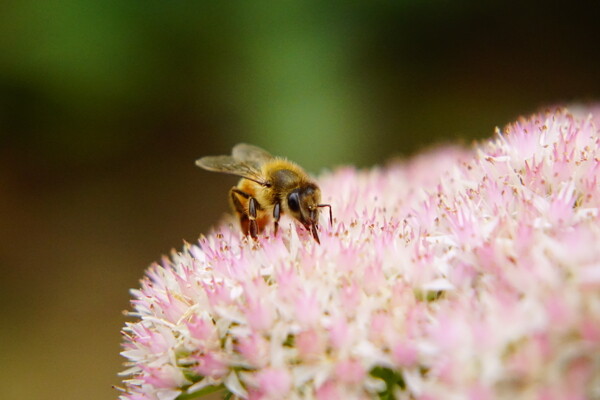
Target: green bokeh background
(105, 105)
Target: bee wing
(231, 165)
(250, 154)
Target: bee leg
(252, 206)
(313, 231)
(276, 216)
(247, 218)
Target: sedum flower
(458, 274)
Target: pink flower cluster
(458, 274)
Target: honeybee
(270, 187)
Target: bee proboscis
(270, 187)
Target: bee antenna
(330, 214)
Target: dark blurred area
(104, 106)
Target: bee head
(303, 204)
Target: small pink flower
(210, 365)
(480, 392)
(328, 391)
(202, 329)
(349, 371)
(350, 295)
(381, 328)
(254, 349)
(163, 377)
(307, 308)
(310, 345)
(339, 333)
(217, 293)
(405, 354)
(373, 279)
(274, 383)
(259, 314)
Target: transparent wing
(252, 155)
(231, 165)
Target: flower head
(456, 274)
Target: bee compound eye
(293, 201)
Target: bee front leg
(276, 216)
(247, 218)
(330, 213)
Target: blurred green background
(105, 105)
